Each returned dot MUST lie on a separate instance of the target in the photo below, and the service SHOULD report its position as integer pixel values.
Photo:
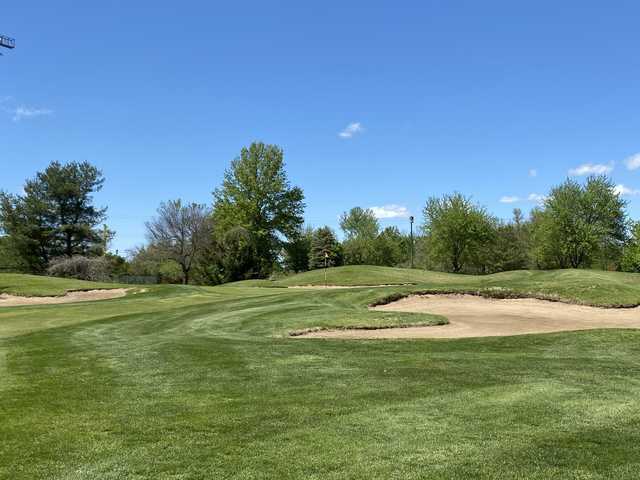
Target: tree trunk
(69, 248)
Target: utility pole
(7, 42)
(411, 236)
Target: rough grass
(40, 286)
(194, 383)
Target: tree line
(254, 228)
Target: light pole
(7, 42)
(411, 237)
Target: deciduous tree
(459, 234)
(361, 228)
(180, 231)
(391, 247)
(631, 255)
(257, 196)
(297, 251)
(580, 225)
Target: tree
(631, 256)
(391, 247)
(361, 228)
(297, 250)
(180, 231)
(580, 225)
(229, 258)
(55, 216)
(257, 196)
(511, 250)
(359, 222)
(149, 261)
(95, 269)
(459, 233)
(324, 245)
(10, 260)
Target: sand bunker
(71, 297)
(473, 316)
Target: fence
(137, 279)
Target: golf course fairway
(187, 382)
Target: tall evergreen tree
(324, 247)
(55, 216)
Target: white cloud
(533, 172)
(532, 197)
(633, 162)
(537, 198)
(391, 211)
(22, 112)
(622, 190)
(351, 130)
(591, 169)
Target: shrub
(95, 269)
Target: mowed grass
(594, 287)
(199, 383)
(40, 286)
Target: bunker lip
(497, 293)
(314, 330)
(7, 300)
(323, 287)
(475, 316)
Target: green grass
(199, 383)
(38, 286)
(580, 286)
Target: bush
(96, 269)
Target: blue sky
(498, 100)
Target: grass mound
(367, 275)
(589, 287)
(40, 286)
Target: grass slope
(194, 383)
(37, 286)
(583, 286)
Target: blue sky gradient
(499, 100)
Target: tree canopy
(458, 233)
(360, 227)
(631, 254)
(55, 215)
(181, 231)
(257, 196)
(580, 225)
(324, 245)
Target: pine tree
(324, 245)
